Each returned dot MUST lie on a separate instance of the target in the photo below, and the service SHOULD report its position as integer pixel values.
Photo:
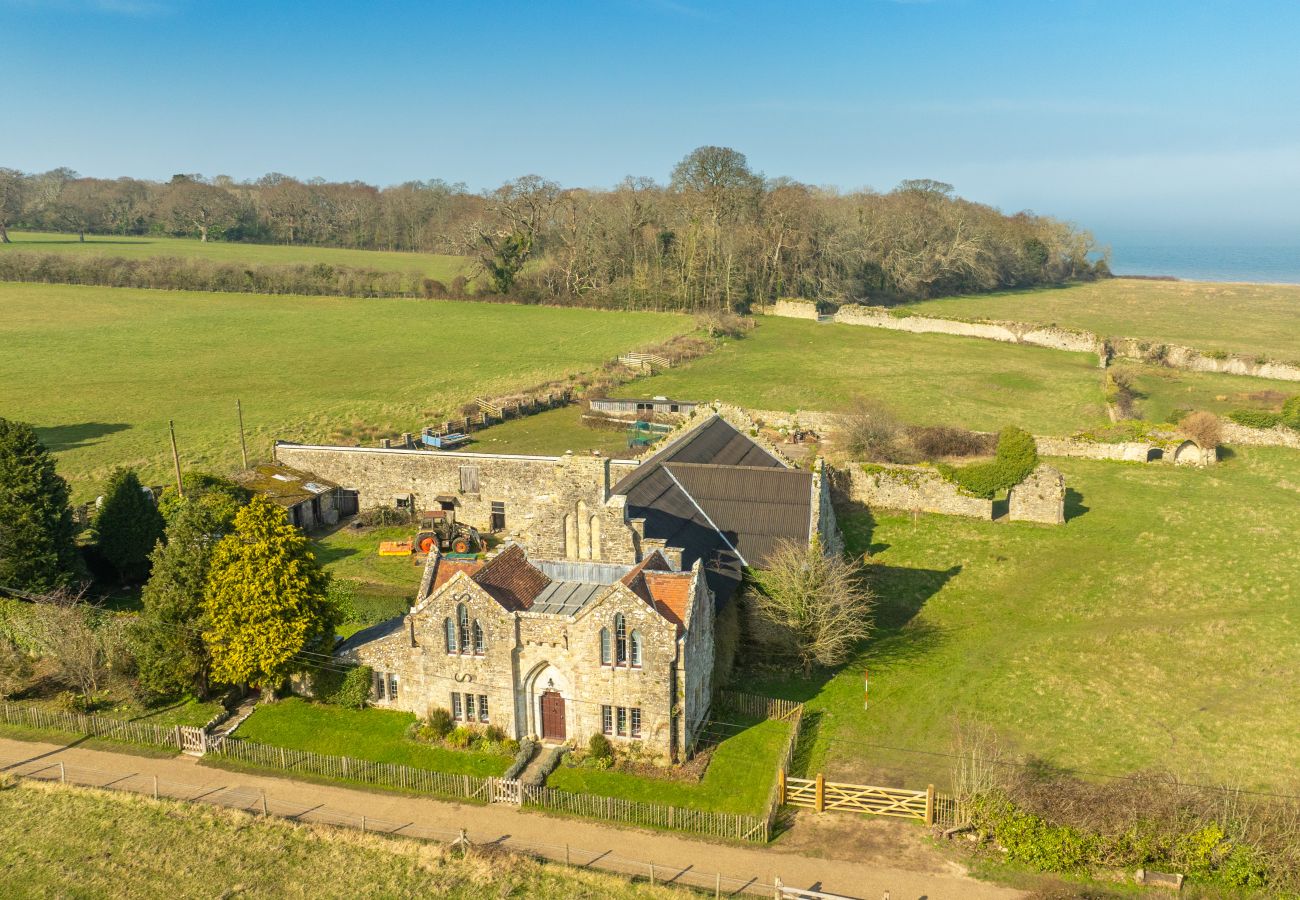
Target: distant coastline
(1256, 264)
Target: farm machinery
(440, 531)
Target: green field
(58, 841)
(431, 265)
(1158, 628)
(1163, 393)
(99, 371)
(1252, 319)
(374, 734)
(551, 433)
(738, 779)
(789, 364)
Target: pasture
(790, 364)
(1159, 628)
(431, 265)
(59, 841)
(99, 371)
(1251, 319)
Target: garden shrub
(1017, 456)
(440, 721)
(1202, 427)
(599, 747)
(494, 734)
(1255, 418)
(460, 737)
(523, 755)
(936, 441)
(1291, 413)
(354, 688)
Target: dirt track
(880, 856)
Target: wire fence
(258, 802)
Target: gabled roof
(755, 509)
(716, 441)
(722, 498)
(511, 579)
(449, 567)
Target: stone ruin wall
(910, 488)
(1170, 355)
(1039, 498)
(1277, 436)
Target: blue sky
(1142, 120)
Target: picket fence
(757, 707)
(95, 726)
(461, 787)
(734, 826)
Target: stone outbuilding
(310, 501)
(552, 649)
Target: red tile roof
(449, 567)
(671, 592)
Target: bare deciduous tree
(821, 600)
(83, 644)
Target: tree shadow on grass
(58, 438)
(1074, 504)
(327, 554)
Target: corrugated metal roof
(716, 441)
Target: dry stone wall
(1278, 436)
(1171, 355)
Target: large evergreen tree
(127, 526)
(38, 549)
(170, 652)
(266, 600)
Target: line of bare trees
(716, 235)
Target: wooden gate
(553, 716)
(194, 741)
(820, 794)
(506, 790)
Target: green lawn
(99, 371)
(432, 265)
(382, 586)
(738, 779)
(551, 433)
(59, 841)
(790, 364)
(374, 734)
(1252, 319)
(1158, 628)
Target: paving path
(735, 869)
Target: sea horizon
(1262, 264)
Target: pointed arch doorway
(552, 704)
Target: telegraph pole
(176, 459)
(243, 447)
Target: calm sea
(1208, 263)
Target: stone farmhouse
(598, 614)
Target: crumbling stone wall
(1039, 498)
(795, 309)
(1126, 451)
(910, 488)
(1278, 436)
(1007, 332)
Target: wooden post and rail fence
(928, 806)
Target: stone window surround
(621, 722)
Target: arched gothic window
(605, 658)
(450, 627)
(462, 620)
(636, 649)
(478, 638)
(620, 640)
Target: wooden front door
(552, 716)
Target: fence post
(780, 791)
(780, 888)
(264, 812)
(63, 774)
(820, 802)
(929, 805)
(652, 874)
(155, 787)
(363, 824)
(717, 886)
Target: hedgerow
(1255, 418)
(1017, 456)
